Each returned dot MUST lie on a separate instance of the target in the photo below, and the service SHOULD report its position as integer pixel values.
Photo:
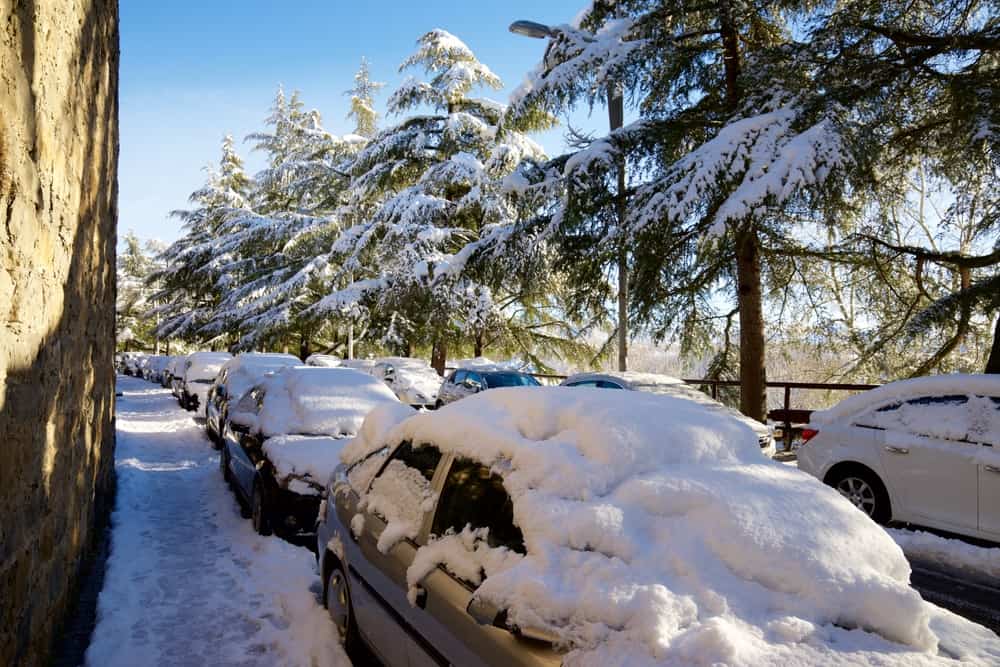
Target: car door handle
(897, 450)
(995, 469)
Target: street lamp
(616, 117)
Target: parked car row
(429, 523)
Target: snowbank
(651, 538)
(949, 552)
(940, 385)
(310, 400)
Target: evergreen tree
(363, 102)
(197, 272)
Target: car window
(583, 383)
(607, 384)
(401, 491)
(458, 377)
(943, 417)
(475, 497)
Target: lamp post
(616, 116)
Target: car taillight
(808, 434)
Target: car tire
(438, 404)
(259, 511)
(865, 491)
(339, 607)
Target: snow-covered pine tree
(135, 263)
(280, 238)
(362, 96)
(434, 222)
(196, 275)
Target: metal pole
(616, 117)
(788, 419)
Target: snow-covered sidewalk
(188, 581)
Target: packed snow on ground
(651, 538)
(310, 400)
(188, 582)
(948, 552)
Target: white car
(667, 385)
(923, 451)
(323, 360)
(412, 380)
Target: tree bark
(439, 356)
(478, 352)
(753, 376)
(993, 363)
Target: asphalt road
(973, 596)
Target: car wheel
(338, 605)
(259, 509)
(437, 406)
(865, 491)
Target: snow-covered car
(362, 365)
(324, 360)
(133, 363)
(923, 451)
(199, 371)
(284, 439)
(153, 371)
(669, 386)
(464, 382)
(412, 380)
(233, 380)
(166, 378)
(555, 526)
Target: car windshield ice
(494, 380)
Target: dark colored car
(468, 381)
(233, 380)
(284, 437)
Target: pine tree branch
(978, 41)
(951, 258)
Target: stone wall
(58, 214)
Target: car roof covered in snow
(248, 368)
(485, 364)
(326, 360)
(668, 385)
(655, 533)
(205, 365)
(939, 385)
(312, 400)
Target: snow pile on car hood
(246, 370)
(317, 401)
(303, 463)
(656, 534)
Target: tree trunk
(993, 363)
(730, 54)
(478, 352)
(439, 356)
(753, 376)
(305, 349)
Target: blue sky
(192, 72)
